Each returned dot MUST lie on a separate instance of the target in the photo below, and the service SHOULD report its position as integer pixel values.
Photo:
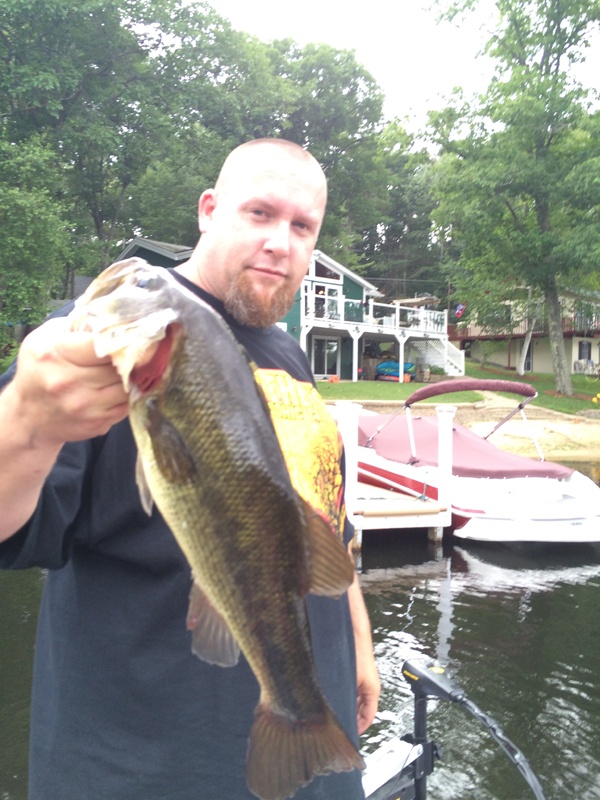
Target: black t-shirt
(121, 709)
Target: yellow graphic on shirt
(310, 442)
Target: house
(501, 344)
(342, 324)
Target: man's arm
(61, 392)
(367, 676)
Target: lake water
(520, 632)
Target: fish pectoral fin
(212, 639)
(142, 484)
(173, 458)
(331, 570)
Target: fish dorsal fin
(212, 639)
(142, 484)
(331, 570)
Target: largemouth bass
(209, 457)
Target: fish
(209, 458)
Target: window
(326, 302)
(321, 271)
(585, 351)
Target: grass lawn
(388, 391)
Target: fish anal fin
(171, 453)
(331, 570)
(285, 754)
(212, 639)
(143, 488)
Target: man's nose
(278, 240)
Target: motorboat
(495, 496)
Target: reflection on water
(19, 600)
(520, 632)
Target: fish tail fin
(285, 754)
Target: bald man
(121, 709)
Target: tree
(399, 246)
(78, 74)
(141, 101)
(334, 108)
(35, 239)
(508, 185)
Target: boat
(495, 496)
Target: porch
(337, 332)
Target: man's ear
(206, 206)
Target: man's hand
(62, 390)
(369, 689)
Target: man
(121, 709)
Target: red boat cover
(472, 456)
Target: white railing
(455, 358)
(372, 314)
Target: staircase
(442, 354)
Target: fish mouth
(152, 364)
(133, 320)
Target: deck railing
(372, 314)
(581, 321)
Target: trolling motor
(416, 753)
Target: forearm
(24, 466)
(369, 685)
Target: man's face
(260, 226)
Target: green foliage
(544, 384)
(141, 101)
(511, 171)
(32, 223)
(335, 110)
(403, 257)
(115, 115)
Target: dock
(373, 508)
(379, 508)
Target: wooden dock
(380, 508)
(373, 508)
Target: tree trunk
(531, 319)
(562, 373)
(524, 349)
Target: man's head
(259, 226)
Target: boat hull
(523, 509)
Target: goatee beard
(248, 307)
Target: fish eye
(151, 282)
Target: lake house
(343, 326)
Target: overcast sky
(414, 60)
